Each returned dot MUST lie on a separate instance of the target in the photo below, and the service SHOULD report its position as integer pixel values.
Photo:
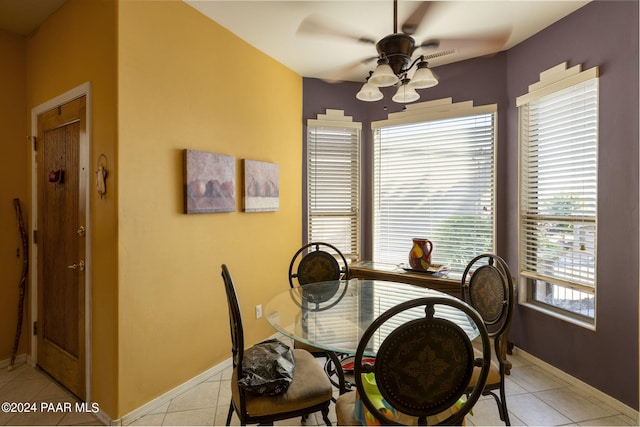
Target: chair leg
(230, 413)
(332, 366)
(501, 402)
(503, 405)
(325, 415)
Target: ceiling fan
(396, 54)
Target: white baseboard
(614, 403)
(150, 406)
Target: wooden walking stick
(23, 280)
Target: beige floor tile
(195, 417)
(516, 360)
(23, 391)
(630, 421)
(23, 372)
(215, 377)
(161, 409)
(615, 420)
(511, 387)
(149, 420)
(221, 415)
(317, 420)
(78, 418)
(203, 395)
(226, 374)
(575, 405)
(37, 418)
(224, 396)
(51, 391)
(533, 379)
(534, 412)
(485, 413)
(294, 422)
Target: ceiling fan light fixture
(406, 93)
(369, 93)
(423, 77)
(383, 75)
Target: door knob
(78, 266)
(81, 231)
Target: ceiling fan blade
(315, 25)
(344, 73)
(483, 45)
(410, 26)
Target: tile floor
(47, 403)
(534, 397)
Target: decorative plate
(433, 268)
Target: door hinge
(35, 142)
(35, 328)
(35, 237)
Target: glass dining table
(333, 315)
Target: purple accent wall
(602, 33)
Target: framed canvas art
(261, 186)
(209, 182)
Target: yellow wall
(164, 78)
(187, 83)
(14, 160)
(77, 45)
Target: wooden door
(61, 244)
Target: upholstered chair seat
(308, 388)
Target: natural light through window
(435, 178)
(558, 192)
(333, 182)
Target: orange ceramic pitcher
(420, 255)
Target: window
(558, 191)
(333, 182)
(434, 177)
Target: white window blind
(333, 182)
(436, 179)
(558, 193)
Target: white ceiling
(272, 27)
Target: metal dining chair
(317, 262)
(321, 262)
(309, 391)
(488, 287)
(422, 368)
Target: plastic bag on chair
(267, 368)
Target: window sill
(557, 314)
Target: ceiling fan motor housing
(397, 48)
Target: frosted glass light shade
(369, 93)
(383, 76)
(405, 94)
(423, 78)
